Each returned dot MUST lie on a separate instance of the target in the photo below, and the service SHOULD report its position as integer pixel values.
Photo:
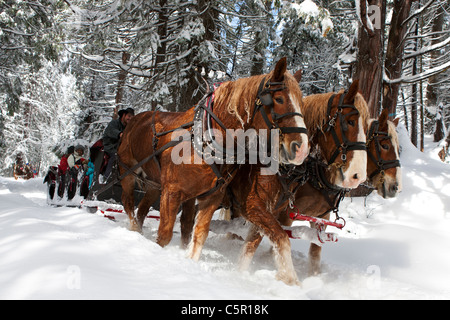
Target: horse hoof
(135, 227)
(162, 241)
(289, 280)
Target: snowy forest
(67, 67)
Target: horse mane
(315, 110)
(238, 97)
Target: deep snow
(389, 249)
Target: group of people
(74, 161)
(23, 170)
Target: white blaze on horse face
(356, 172)
(303, 151)
(395, 143)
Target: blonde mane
(238, 97)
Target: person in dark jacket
(113, 134)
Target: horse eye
(385, 146)
(279, 100)
(351, 122)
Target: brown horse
(383, 172)
(261, 192)
(259, 102)
(383, 161)
(339, 122)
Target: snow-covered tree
(46, 115)
(309, 38)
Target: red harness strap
(319, 221)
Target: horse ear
(280, 70)
(350, 96)
(383, 118)
(298, 76)
(395, 121)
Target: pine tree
(46, 116)
(313, 44)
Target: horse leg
(205, 212)
(169, 206)
(271, 228)
(314, 259)
(315, 253)
(128, 201)
(187, 221)
(252, 242)
(151, 195)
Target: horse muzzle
(356, 172)
(390, 187)
(295, 154)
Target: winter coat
(74, 159)
(90, 173)
(111, 136)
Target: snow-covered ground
(389, 249)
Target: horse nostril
(395, 187)
(295, 146)
(355, 176)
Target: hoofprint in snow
(389, 249)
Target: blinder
(266, 100)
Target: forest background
(67, 67)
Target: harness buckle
(332, 122)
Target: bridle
(346, 145)
(265, 98)
(382, 165)
(204, 117)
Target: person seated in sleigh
(112, 135)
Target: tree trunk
(438, 24)
(394, 55)
(161, 50)
(439, 125)
(191, 93)
(261, 40)
(369, 66)
(414, 91)
(121, 85)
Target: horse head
(270, 102)
(383, 165)
(279, 103)
(339, 135)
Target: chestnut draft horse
(335, 124)
(318, 197)
(260, 102)
(383, 151)
(383, 172)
